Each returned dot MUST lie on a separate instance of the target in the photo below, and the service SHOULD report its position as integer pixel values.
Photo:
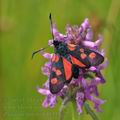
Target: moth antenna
(51, 24)
(33, 54)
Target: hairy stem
(65, 100)
(90, 111)
(62, 112)
(74, 112)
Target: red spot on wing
(81, 50)
(67, 68)
(71, 47)
(77, 62)
(83, 55)
(55, 58)
(92, 55)
(54, 81)
(58, 72)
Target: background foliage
(24, 27)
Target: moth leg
(75, 71)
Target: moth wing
(75, 54)
(95, 58)
(59, 73)
(84, 56)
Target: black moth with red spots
(67, 60)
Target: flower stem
(65, 100)
(74, 111)
(62, 112)
(90, 111)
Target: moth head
(56, 43)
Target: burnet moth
(67, 60)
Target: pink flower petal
(44, 91)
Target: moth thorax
(56, 43)
(62, 49)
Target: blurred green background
(24, 27)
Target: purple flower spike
(89, 35)
(46, 55)
(58, 36)
(50, 100)
(85, 25)
(80, 101)
(85, 88)
(44, 91)
(99, 41)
